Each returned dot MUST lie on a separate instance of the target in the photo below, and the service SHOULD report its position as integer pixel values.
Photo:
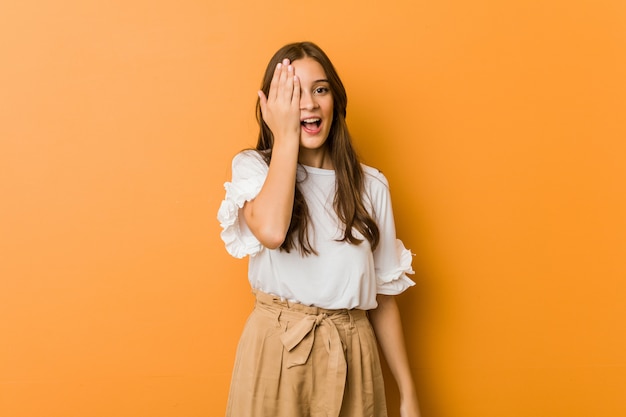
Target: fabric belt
(312, 322)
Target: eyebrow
(321, 81)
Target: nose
(307, 101)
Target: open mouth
(311, 123)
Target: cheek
(329, 109)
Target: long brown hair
(348, 202)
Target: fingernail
(279, 65)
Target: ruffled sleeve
(248, 175)
(392, 261)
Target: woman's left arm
(387, 325)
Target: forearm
(268, 216)
(388, 328)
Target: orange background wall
(500, 125)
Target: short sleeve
(392, 261)
(248, 175)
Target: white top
(342, 275)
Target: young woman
(324, 261)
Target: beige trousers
(300, 361)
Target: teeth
(311, 120)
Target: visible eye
(321, 91)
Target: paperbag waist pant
(300, 361)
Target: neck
(317, 158)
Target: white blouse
(342, 275)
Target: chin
(311, 146)
(312, 143)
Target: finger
(283, 73)
(275, 80)
(288, 85)
(295, 99)
(262, 101)
(282, 78)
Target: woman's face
(316, 110)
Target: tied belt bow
(298, 340)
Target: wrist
(287, 142)
(408, 395)
(406, 389)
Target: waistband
(289, 306)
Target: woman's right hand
(280, 109)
